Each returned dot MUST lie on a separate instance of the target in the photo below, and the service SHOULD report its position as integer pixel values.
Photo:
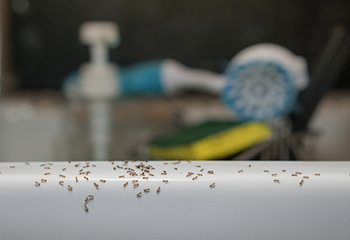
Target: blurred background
(40, 46)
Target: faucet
(97, 84)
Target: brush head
(259, 90)
(262, 82)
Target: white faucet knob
(100, 36)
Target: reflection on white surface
(245, 205)
(20, 6)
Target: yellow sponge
(200, 143)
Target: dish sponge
(210, 140)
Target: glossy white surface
(246, 205)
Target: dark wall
(204, 33)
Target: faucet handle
(106, 33)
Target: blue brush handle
(142, 78)
(138, 79)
